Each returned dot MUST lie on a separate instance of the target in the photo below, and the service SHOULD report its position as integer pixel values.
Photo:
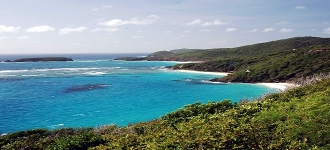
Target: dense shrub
(77, 142)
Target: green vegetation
(276, 61)
(66, 138)
(298, 118)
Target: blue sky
(145, 26)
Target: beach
(280, 86)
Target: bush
(77, 142)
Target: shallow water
(93, 90)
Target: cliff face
(43, 59)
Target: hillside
(277, 61)
(256, 50)
(295, 119)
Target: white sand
(204, 72)
(280, 86)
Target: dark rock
(131, 58)
(43, 59)
(85, 87)
(168, 67)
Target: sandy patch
(280, 86)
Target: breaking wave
(67, 72)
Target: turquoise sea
(95, 90)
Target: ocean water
(95, 90)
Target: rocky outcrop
(41, 59)
(85, 87)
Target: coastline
(204, 72)
(280, 86)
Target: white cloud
(254, 30)
(195, 22)
(106, 29)
(94, 9)
(9, 29)
(215, 22)
(67, 30)
(135, 21)
(114, 22)
(300, 7)
(285, 30)
(43, 28)
(268, 30)
(231, 29)
(326, 31)
(24, 37)
(209, 23)
(282, 23)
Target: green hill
(276, 61)
(184, 50)
(295, 119)
(255, 50)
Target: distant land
(41, 59)
(276, 61)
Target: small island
(41, 59)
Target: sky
(146, 26)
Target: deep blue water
(94, 90)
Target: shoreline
(204, 72)
(280, 86)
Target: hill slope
(255, 50)
(276, 61)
